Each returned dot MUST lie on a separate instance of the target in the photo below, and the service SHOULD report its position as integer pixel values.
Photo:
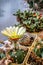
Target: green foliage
(2, 55)
(31, 4)
(18, 56)
(33, 23)
(39, 3)
(39, 51)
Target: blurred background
(7, 8)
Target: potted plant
(36, 56)
(32, 20)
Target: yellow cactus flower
(14, 32)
